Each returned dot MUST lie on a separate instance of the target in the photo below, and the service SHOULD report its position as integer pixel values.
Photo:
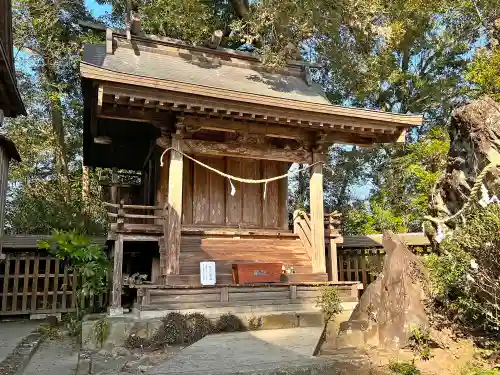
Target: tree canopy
(401, 56)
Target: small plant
(329, 302)
(73, 324)
(49, 331)
(420, 342)
(229, 323)
(403, 368)
(100, 332)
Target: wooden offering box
(248, 273)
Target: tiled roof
(203, 70)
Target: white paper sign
(207, 273)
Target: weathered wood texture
(37, 284)
(173, 230)
(317, 215)
(116, 297)
(4, 173)
(226, 251)
(208, 201)
(219, 296)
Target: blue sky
(96, 9)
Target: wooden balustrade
(127, 214)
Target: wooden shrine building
(11, 104)
(221, 107)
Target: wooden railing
(39, 284)
(302, 227)
(127, 214)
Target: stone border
(18, 359)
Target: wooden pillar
(173, 240)
(116, 294)
(114, 185)
(317, 215)
(283, 196)
(333, 261)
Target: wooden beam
(116, 293)
(261, 128)
(317, 215)
(375, 240)
(195, 146)
(173, 243)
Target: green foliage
(100, 332)
(329, 302)
(403, 368)
(73, 323)
(229, 323)
(88, 260)
(465, 277)
(484, 72)
(420, 342)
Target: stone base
(45, 316)
(115, 311)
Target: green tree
(46, 186)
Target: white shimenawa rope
(264, 181)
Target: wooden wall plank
(187, 192)
(217, 192)
(16, 282)
(271, 204)
(34, 282)
(5, 284)
(27, 266)
(55, 286)
(234, 203)
(252, 194)
(201, 192)
(65, 288)
(46, 283)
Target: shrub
(420, 342)
(229, 323)
(465, 278)
(329, 302)
(403, 368)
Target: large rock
(390, 306)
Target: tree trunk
(241, 8)
(474, 143)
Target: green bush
(329, 302)
(465, 277)
(403, 368)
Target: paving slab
(280, 351)
(12, 333)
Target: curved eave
(306, 109)
(10, 98)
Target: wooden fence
(360, 258)
(39, 284)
